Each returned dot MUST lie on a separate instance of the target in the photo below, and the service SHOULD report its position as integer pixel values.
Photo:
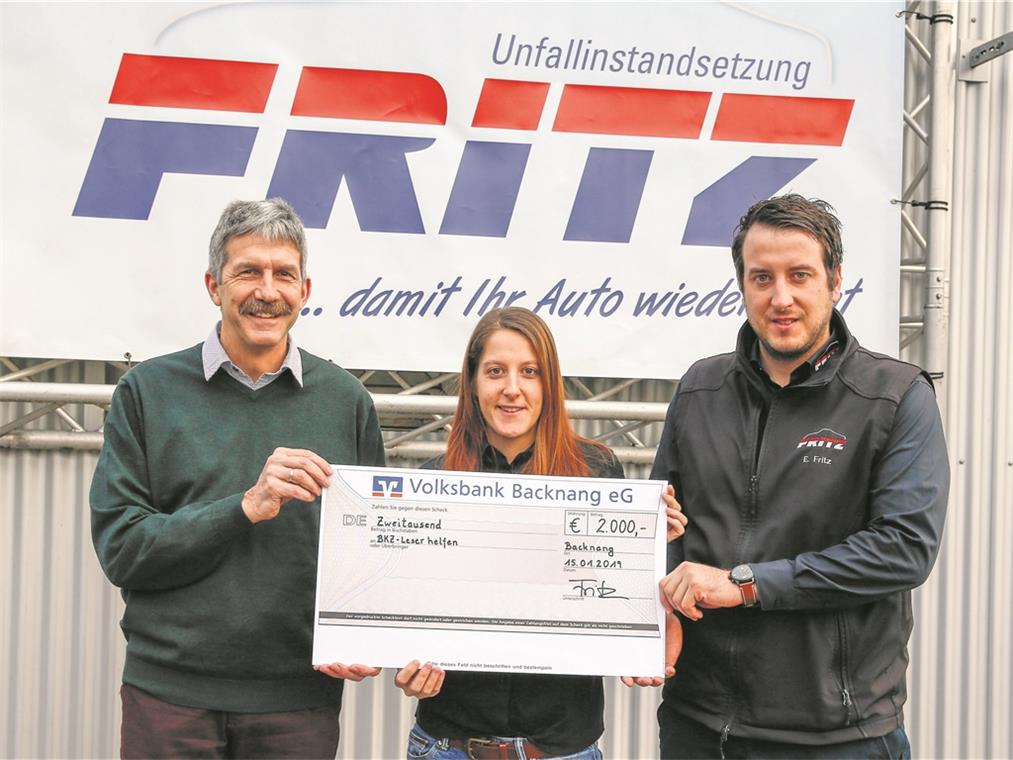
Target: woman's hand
(673, 648)
(676, 519)
(348, 672)
(422, 681)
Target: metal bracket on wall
(973, 53)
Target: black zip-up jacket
(833, 489)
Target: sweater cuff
(775, 582)
(232, 520)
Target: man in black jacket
(815, 476)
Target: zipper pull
(727, 729)
(847, 697)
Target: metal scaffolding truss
(415, 410)
(914, 241)
(927, 183)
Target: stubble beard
(812, 342)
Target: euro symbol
(573, 525)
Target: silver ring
(291, 475)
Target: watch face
(742, 574)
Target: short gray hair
(274, 220)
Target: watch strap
(742, 576)
(750, 596)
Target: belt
(495, 749)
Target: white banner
(587, 161)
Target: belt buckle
(497, 746)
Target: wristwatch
(742, 576)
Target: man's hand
(422, 681)
(676, 519)
(348, 672)
(673, 648)
(692, 586)
(287, 474)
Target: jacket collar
(493, 460)
(819, 369)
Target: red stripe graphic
(631, 111)
(372, 95)
(510, 104)
(782, 119)
(159, 80)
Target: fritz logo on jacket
(824, 438)
(827, 356)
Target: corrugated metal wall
(61, 650)
(961, 704)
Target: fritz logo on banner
(131, 155)
(388, 486)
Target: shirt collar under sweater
(214, 358)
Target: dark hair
(814, 217)
(274, 220)
(557, 446)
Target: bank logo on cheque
(132, 155)
(388, 486)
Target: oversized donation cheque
(491, 571)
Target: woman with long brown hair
(511, 418)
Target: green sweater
(219, 612)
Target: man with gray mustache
(205, 511)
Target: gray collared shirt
(214, 358)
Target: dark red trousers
(155, 729)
